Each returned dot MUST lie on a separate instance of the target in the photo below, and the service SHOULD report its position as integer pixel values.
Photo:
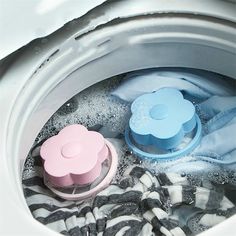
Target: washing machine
(64, 47)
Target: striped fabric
(141, 204)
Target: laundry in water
(217, 112)
(141, 204)
(175, 203)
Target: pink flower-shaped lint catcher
(74, 156)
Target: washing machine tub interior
(55, 73)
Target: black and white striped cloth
(141, 204)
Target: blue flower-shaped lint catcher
(163, 120)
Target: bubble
(128, 152)
(216, 174)
(69, 107)
(231, 175)
(183, 174)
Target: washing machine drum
(113, 38)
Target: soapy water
(96, 109)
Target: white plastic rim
(40, 18)
(43, 76)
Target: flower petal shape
(74, 156)
(162, 118)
